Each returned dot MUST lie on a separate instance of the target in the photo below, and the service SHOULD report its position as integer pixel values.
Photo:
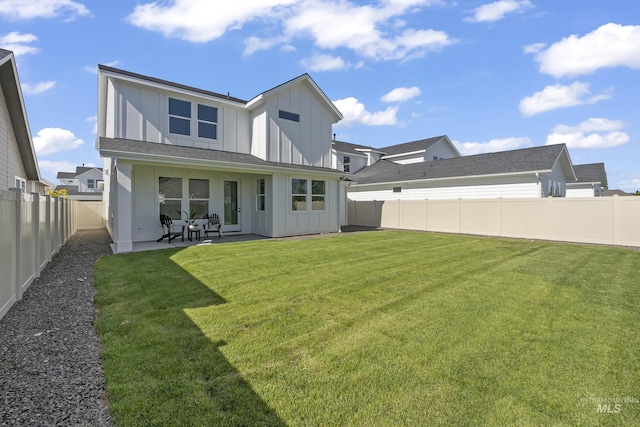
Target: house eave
(213, 164)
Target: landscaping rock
(51, 372)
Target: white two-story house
(86, 183)
(263, 165)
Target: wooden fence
(604, 220)
(32, 229)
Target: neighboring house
(18, 163)
(263, 165)
(86, 183)
(591, 181)
(526, 173)
(352, 157)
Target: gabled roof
(154, 80)
(527, 160)
(349, 148)
(79, 171)
(18, 113)
(413, 146)
(155, 152)
(66, 175)
(304, 78)
(309, 82)
(592, 173)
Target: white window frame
(309, 196)
(261, 198)
(21, 183)
(193, 119)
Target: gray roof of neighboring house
(347, 147)
(215, 157)
(591, 172)
(616, 193)
(72, 190)
(79, 171)
(412, 146)
(532, 160)
(10, 84)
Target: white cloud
(37, 88)
(558, 96)
(55, 167)
(31, 9)
(372, 31)
(592, 133)
(534, 48)
(203, 20)
(493, 146)
(498, 10)
(401, 94)
(611, 45)
(93, 119)
(327, 63)
(18, 43)
(355, 112)
(53, 140)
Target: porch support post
(124, 209)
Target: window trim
(179, 117)
(194, 120)
(21, 183)
(288, 115)
(261, 197)
(309, 195)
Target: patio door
(231, 206)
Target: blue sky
(491, 75)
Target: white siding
(141, 113)
(480, 189)
(83, 178)
(580, 192)
(10, 159)
(440, 149)
(307, 142)
(291, 223)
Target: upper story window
(91, 183)
(179, 117)
(289, 116)
(207, 122)
(346, 163)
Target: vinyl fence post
(18, 236)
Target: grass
(372, 329)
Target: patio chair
(169, 230)
(212, 225)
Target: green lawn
(372, 329)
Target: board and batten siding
(10, 159)
(140, 113)
(307, 142)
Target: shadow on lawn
(161, 368)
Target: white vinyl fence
(32, 229)
(604, 220)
